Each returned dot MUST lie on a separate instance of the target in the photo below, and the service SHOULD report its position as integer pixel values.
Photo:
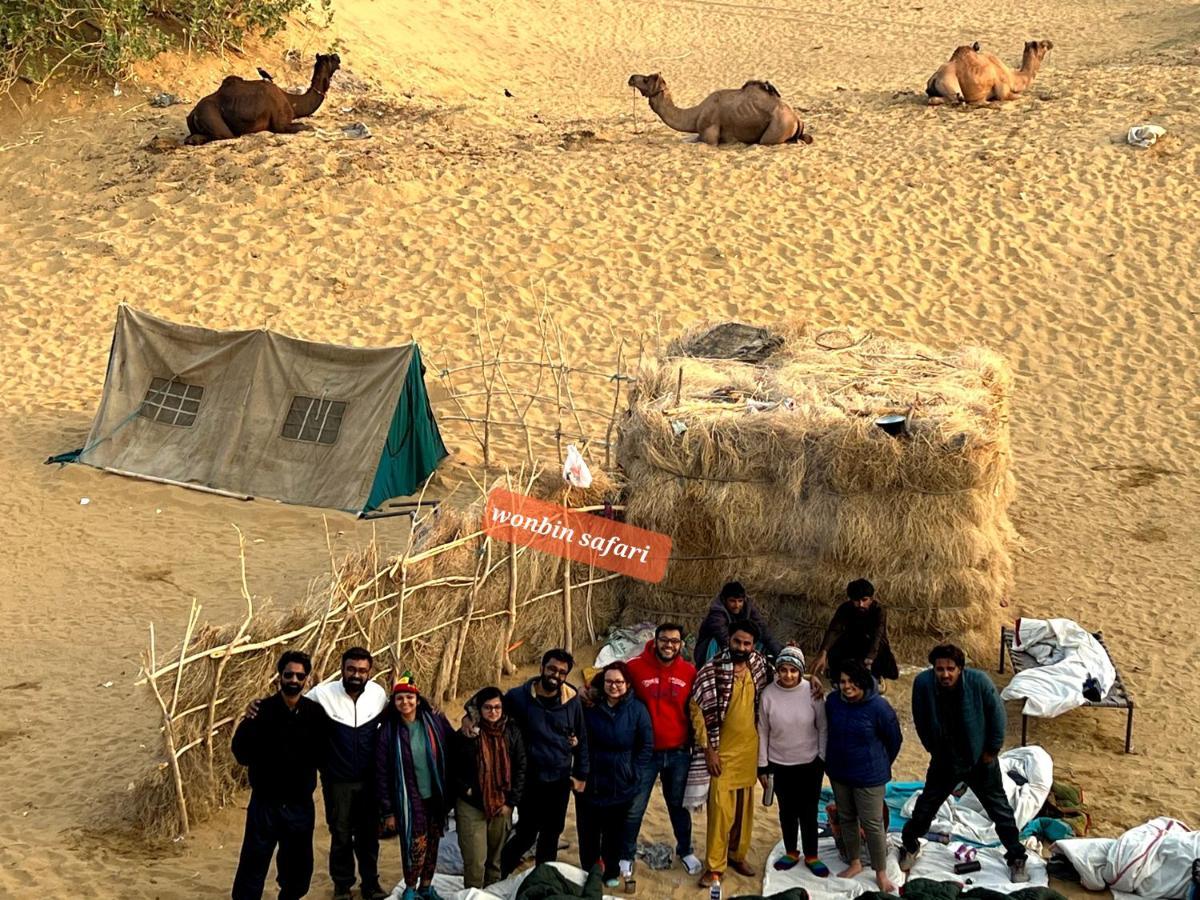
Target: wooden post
(482, 564)
(400, 619)
(224, 661)
(169, 733)
(679, 388)
(568, 629)
(612, 418)
(506, 663)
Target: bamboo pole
(224, 661)
(524, 362)
(172, 753)
(484, 561)
(612, 417)
(568, 628)
(506, 663)
(504, 423)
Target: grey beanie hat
(792, 656)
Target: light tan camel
(974, 77)
(240, 107)
(753, 114)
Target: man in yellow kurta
(724, 715)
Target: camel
(753, 114)
(241, 107)
(974, 77)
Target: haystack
(774, 473)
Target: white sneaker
(626, 867)
(692, 863)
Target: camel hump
(965, 50)
(763, 86)
(231, 80)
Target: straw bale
(775, 474)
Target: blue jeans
(673, 766)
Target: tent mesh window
(171, 402)
(314, 420)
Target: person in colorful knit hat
(413, 783)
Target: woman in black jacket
(489, 776)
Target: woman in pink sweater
(791, 747)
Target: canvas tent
(262, 414)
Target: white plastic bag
(575, 470)
(1144, 135)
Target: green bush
(103, 37)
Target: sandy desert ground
(1031, 228)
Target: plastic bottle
(714, 892)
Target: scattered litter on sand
(163, 100)
(1145, 135)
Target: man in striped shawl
(724, 709)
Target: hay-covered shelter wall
(775, 474)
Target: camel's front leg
(709, 132)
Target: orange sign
(575, 535)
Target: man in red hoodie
(662, 679)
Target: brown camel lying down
(974, 77)
(753, 114)
(244, 107)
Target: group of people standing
(395, 766)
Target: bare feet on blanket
(885, 883)
(854, 868)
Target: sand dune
(1031, 228)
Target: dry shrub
(775, 474)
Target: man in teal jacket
(960, 720)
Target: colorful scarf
(411, 813)
(713, 689)
(495, 768)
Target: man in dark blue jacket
(550, 717)
(960, 720)
(282, 745)
(353, 705)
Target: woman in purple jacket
(863, 742)
(413, 783)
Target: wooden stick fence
(421, 609)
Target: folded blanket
(546, 883)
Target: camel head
(648, 85)
(323, 69)
(1038, 49)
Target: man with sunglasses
(550, 716)
(662, 679)
(282, 746)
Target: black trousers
(601, 833)
(268, 825)
(541, 816)
(985, 780)
(353, 821)
(798, 793)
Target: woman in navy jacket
(620, 743)
(863, 742)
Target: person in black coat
(282, 745)
(488, 762)
(620, 744)
(858, 631)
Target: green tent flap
(414, 445)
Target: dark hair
(732, 590)
(745, 625)
(598, 679)
(483, 695)
(860, 588)
(859, 674)
(294, 656)
(948, 651)
(670, 626)
(559, 654)
(358, 653)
